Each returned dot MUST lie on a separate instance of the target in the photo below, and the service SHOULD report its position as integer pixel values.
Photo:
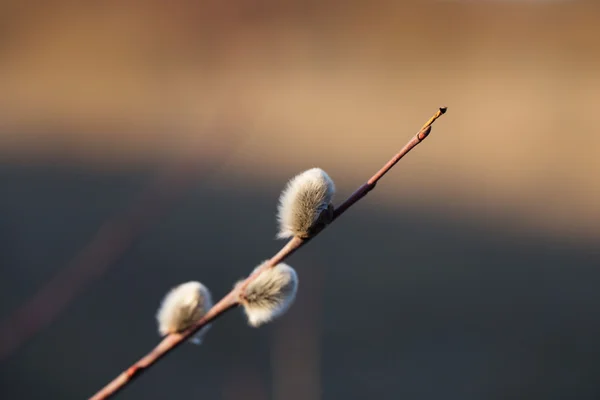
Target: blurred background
(145, 143)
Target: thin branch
(170, 342)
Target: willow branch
(170, 342)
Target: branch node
(423, 134)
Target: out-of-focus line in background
(111, 241)
(295, 347)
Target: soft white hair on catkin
(270, 295)
(182, 306)
(305, 197)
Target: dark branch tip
(443, 109)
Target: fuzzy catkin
(183, 306)
(305, 204)
(270, 295)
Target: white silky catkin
(270, 295)
(305, 204)
(183, 306)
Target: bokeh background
(145, 143)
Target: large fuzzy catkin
(270, 294)
(305, 204)
(183, 306)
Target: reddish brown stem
(230, 301)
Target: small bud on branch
(270, 294)
(305, 204)
(232, 299)
(182, 307)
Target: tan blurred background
(469, 273)
(335, 83)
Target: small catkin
(183, 306)
(305, 204)
(270, 295)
